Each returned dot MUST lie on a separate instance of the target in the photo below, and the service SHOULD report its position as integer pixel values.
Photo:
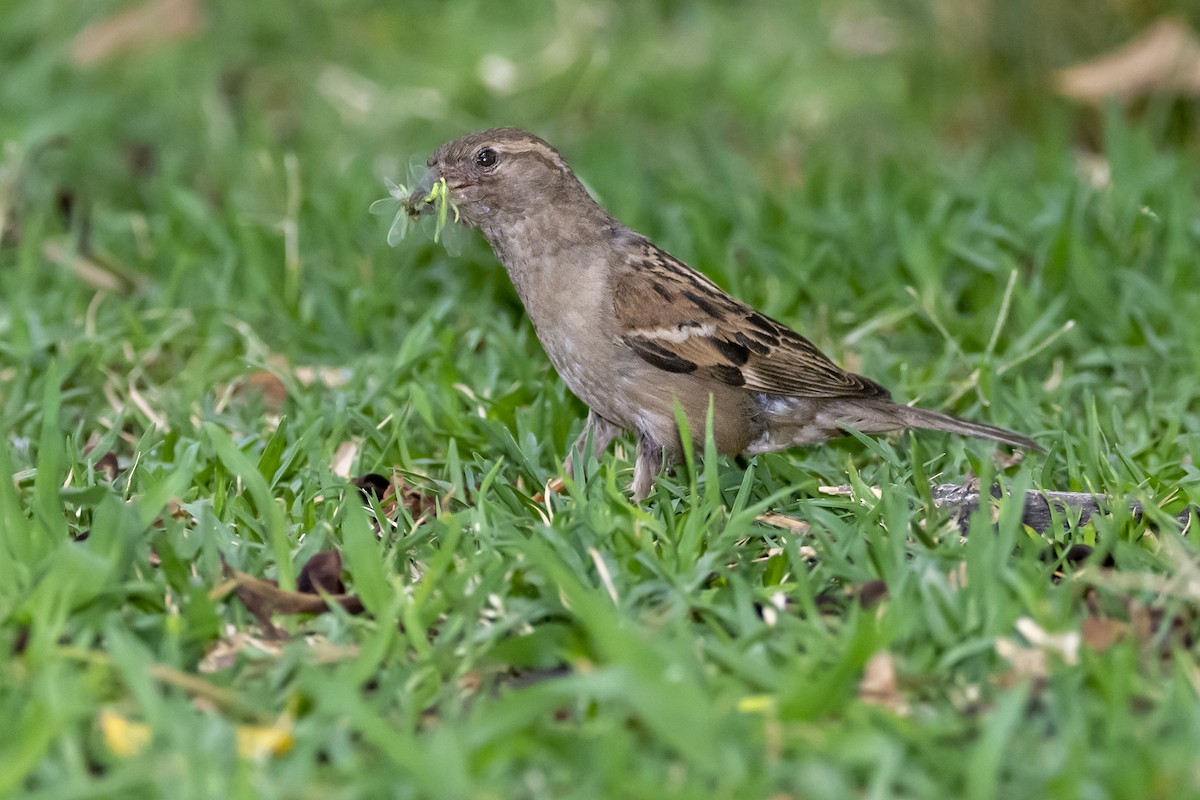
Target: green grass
(884, 205)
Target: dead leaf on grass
(1163, 59)
(776, 520)
(1065, 645)
(1026, 662)
(343, 458)
(394, 493)
(329, 377)
(225, 652)
(263, 598)
(846, 490)
(97, 275)
(867, 594)
(107, 466)
(1154, 625)
(1101, 633)
(419, 504)
(872, 592)
(371, 486)
(1180, 587)
(878, 684)
(555, 485)
(265, 384)
(270, 386)
(1033, 660)
(151, 24)
(322, 573)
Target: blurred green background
(184, 231)
(816, 159)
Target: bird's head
(499, 176)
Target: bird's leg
(601, 432)
(649, 463)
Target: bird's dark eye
(486, 157)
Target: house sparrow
(632, 329)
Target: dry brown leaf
(1034, 661)
(90, 271)
(329, 377)
(796, 526)
(1153, 625)
(392, 495)
(267, 385)
(1129, 582)
(343, 458)
(323, 651)
(371, 486)
(153, 23)
(847, 491)
(1101, 633)
(175, 509)
(322, 573)
(1163, 59)
(1026, 662)
(224, 653)
(867, 595)
(1007, 461)
(400, 492)
(1065, 644)
(872, 592)
(107, 466)
(555, 485)
(264, 598)
(878, 684)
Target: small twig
(192, 684)
(1040, 507)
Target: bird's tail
(937, 421)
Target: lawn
(214, 368)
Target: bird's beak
(417, 203)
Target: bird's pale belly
(596, 379)
(627, 391)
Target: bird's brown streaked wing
(676, 319)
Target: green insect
(397, 194)
(439, 195)
(407, 207)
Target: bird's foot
(649, 463)
(600, 431)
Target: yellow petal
(124, 738)
(259, 741)
(756, 704)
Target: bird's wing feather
(676, 319)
